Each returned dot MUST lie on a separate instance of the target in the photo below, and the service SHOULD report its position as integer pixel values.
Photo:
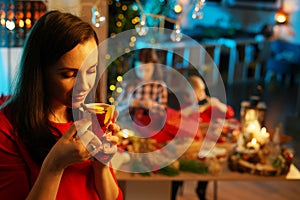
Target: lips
(78, 97)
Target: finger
(110, 150)
(84, 106)
(114, 128)
(113, 139)
(70, 132)
(82, 126)
(94, 146)
(86, 137)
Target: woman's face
(79, 64)
(144, 71)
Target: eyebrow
(74, 69)
(67, 68)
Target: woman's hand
(99, 147)
(110, 141)
(66, 151)
(104, 180)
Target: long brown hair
(53, 35)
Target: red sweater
(18, 172)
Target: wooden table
(158, 186)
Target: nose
(82, 83)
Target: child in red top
(209, 109)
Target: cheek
(91, 80)
(198, 94)
(63, 87)
(201, 95)
(89, 83)
(84, 82)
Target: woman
(40, 156)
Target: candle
(251, 128)
(253, 145)
(265, 135)
(262, 136)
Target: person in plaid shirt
(149, 95)
(144, 91)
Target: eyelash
(67, 75)
(91, 70)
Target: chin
(76, 104)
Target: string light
(119, 78)
(2, 16)
(281, 17)
(178, 8)
(142, 29)
(112, 87)
(10, 25)
(2, 22)
(28, 18)
(97, 19)
(28, 23)
(16, 20)
(111, 100)
(176, 34)
(119, 90)
(197, 12)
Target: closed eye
(69, 74)
(92, 69)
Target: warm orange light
(178, 8)
(28, 23)
(21, 23)
(281, 17)
(28, 14)
(2, 22)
